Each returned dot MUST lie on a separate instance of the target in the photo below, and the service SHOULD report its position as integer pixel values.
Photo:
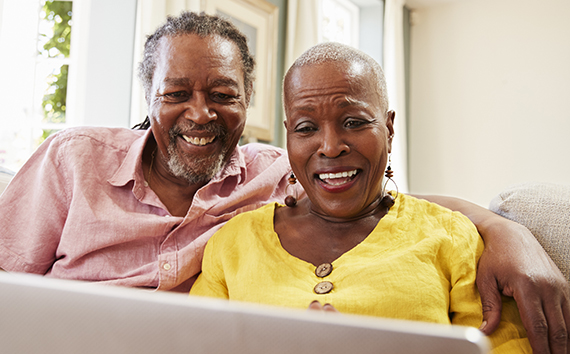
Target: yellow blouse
(419, 263)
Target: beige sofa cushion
(5, 177)
(544, 208)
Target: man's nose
(198, 110)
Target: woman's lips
(338, 181)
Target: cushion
(5, 177)
(544, 208)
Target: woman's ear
(390, 116)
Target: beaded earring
(291, 200)
(387, 199)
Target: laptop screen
(43, 315)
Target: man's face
(197, 105)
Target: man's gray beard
(198, 170)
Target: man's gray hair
(202, 25)
(337, 52)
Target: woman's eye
(305, 129)
(354, 123)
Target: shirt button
(166, 266)
(323, 270)
(323, 287)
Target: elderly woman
(350, 245)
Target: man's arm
(515, 264)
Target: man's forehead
(205, 52)
(211, 44)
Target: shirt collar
(235, 166)
(131, 168)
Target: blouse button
(323, 287)
(323, 270)
(166, 266)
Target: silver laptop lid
(41, 315)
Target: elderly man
(136, 207)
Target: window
(83, 76)
(33, 97)
(52, 67)
(339, 20)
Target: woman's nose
(332, 144)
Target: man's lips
(199, 141)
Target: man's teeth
(198, 141)
(344, 174)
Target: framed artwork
(258, 20)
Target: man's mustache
(220, 131)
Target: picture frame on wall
(258, 20)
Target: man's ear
(390, 116)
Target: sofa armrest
(544, 208)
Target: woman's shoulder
(248, 223)
(420, 209)
(413, 205)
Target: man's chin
(196, 170)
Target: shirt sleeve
(33, 210)
(465, 301)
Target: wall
(489, 96)
(105, 66)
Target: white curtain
(302, 28)
(394, 69)
(301, 34)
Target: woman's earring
(291, 200)
(387, 199)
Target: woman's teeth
(344, 174)
(198, 141)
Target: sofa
(544, 208)
(5, 177)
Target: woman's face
(338, 136)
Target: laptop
(43, 315)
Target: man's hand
(515, 264)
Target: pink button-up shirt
(81, 209)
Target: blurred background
(481, 88)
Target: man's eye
(223, 97)
(176, 96)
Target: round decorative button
(323, 270)
(323, 287)
(166, 266)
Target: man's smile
(200, 141)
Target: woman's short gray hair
(337, 52)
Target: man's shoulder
(118, 138)
(258, 152)
(265, 159)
